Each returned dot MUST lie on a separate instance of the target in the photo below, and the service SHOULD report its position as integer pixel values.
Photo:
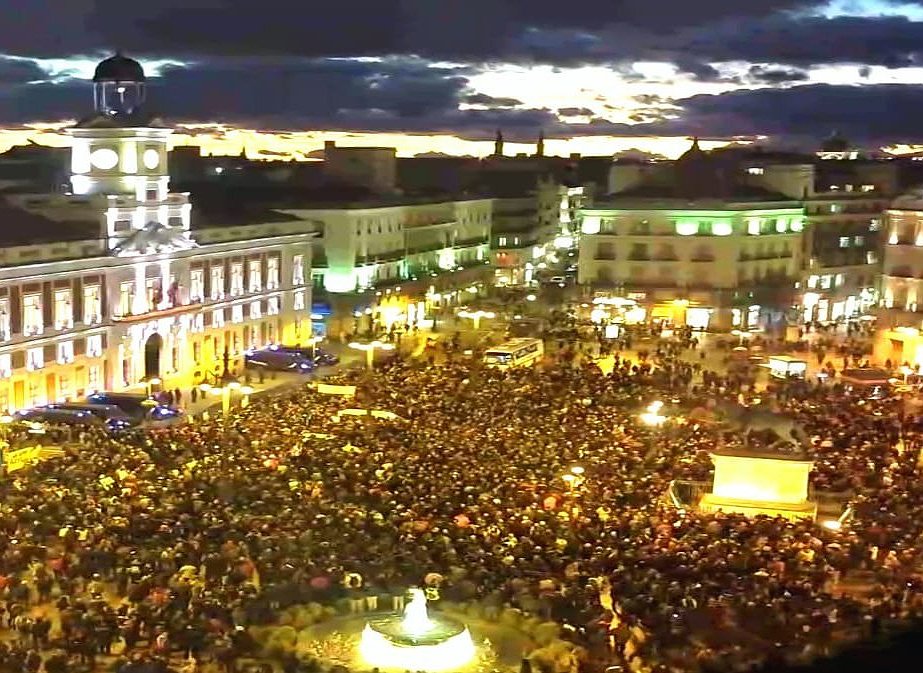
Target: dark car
(279, 360)
(58, 417)
(321, 357)
(135, 405)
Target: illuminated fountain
(415, 641)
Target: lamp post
(5, 422)
(246, 391)
(476, 317)
(370, 349)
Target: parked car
(277, 359)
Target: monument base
(791, 511)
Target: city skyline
(595, 79)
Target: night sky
(794, 70)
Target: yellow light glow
(377, 651)
(832, 524)
(761, 479)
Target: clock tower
(119, 153)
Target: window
(196, 352)
(65, 352)
(237, 279)
(94, 346)
(753, 226)
(35, 359)
(217, 282)
(825, 282)
(196, 285)
(722, 228)
(839, 279)
(781, 226)
(126, 297)
(298, 270)
(812, 282)
(755, 170)
(237, 313)
(198, 323)
(5, 324)
(871, 257)
(256, 310)
(6, 367)
(299, 301)
(63, 311)
(218, 318)
(835, 208)
(687, 228)
(844, 241)
(858, 241)
(868, 188)
(797, 224)
(272, 306)
(272, 273)
(32, 323)
(95, 377)
(501, 241)
(92, 305)
(255, 284)
(874, 224)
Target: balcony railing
(156, 313)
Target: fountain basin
(446, 645)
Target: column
(139, 304)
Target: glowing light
(378, 650)
(832, 524)
(563, 242)
(104, 158)
(652, 416)
(722, 228)
(591, 224)
(531, 297)
(686, 228)
(151, 159)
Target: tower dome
(118, 86)
(119, 68)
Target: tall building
(693, 243)
(900, 317)
(119, 283)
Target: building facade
(693, 243)
(398, 264)
(114, 287)
(710, 266)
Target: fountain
(415, 641)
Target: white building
(114, 284)
(396, 263)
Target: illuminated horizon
(298, 145)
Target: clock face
(104, 158)
(151, 159)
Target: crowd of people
(163, 549)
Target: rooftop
(29, 219)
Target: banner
(17, 460)
(329, 389)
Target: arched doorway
(152, 356)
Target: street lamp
(246, 391)
(5, 421)
(476, 317)
(370, 349)
(653, 416)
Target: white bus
(515, 353)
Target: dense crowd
(167, 546)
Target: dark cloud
(491, 101)
(575, 112)
(887, 41)
(876, 113)
(776, 75)
(471, 29)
